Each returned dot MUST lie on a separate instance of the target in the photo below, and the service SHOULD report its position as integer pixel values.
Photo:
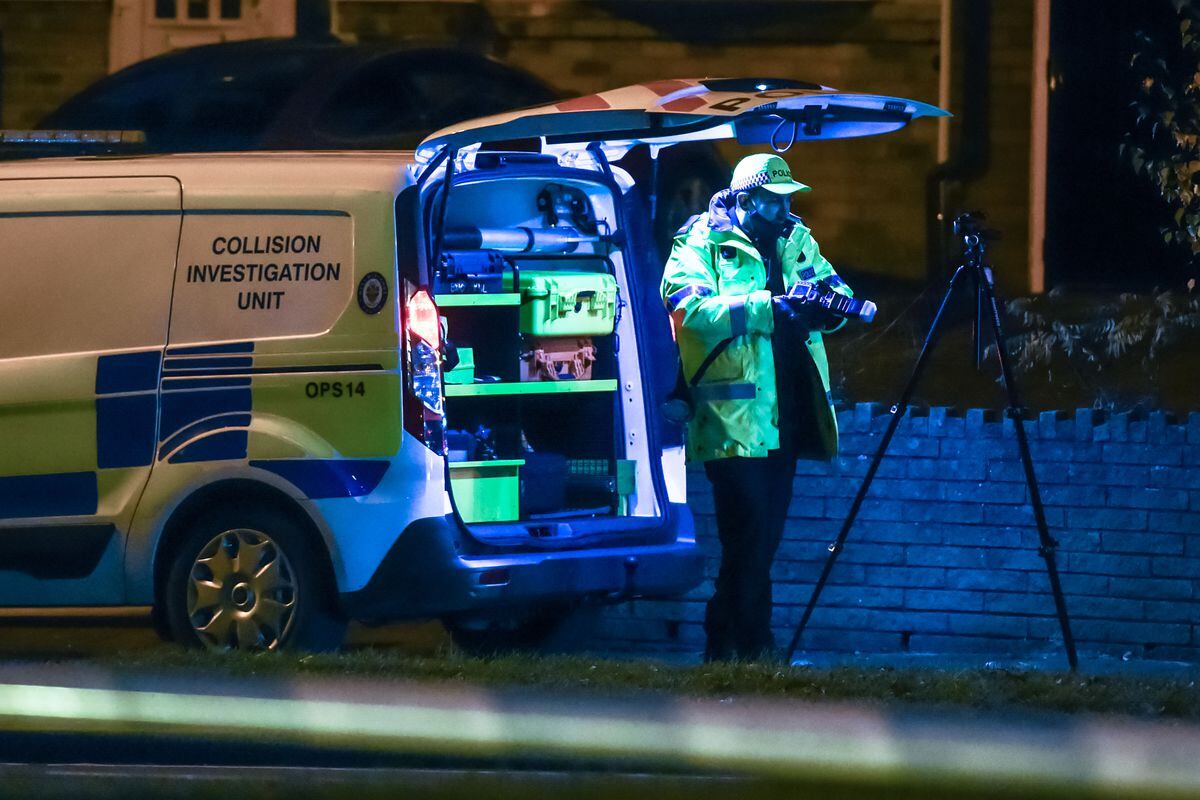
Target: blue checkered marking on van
(215, 447)
(126, 408)
(199, 395)
(206, 349)
(128, 372)
(183, 408)
(62, 494)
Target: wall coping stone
(1081, 425)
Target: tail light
(423, 320)
(423, 413)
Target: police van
(264, 394)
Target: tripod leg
(980, 312)
(1048, 543)
(897, 412)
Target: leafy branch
(1163, 146)
(1130, 327)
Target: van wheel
(247, 579)
(551, 629)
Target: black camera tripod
(974, 269)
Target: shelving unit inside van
(479, 300)
(556, 438)
(529, 388)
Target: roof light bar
(116, 137)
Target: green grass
(976, 689)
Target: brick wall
(52, 49)
(943, 557)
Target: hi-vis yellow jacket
(715, 287)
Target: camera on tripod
(969, 227)
(973, 274)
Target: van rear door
(755, 111)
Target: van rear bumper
(424, 575)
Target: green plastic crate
(567, 303)
(487, 491)
(465, 371)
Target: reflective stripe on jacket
(714, 286)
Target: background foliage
(1163, 143)
(1069, 349)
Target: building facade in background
(145, 28)
(873, 199)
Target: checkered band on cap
(764, 170)
(751, 182)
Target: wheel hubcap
(241, 592)
(242, 597)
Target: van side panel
(84, 292)
(261, 273)
(280, 370)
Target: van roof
(280, 172)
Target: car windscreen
(370, 103)
(452, 90)
(395, 100)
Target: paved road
(77, 730)
(69, 714)
(102, 782)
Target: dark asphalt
(70, 714)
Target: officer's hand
(784, 308)
(807, 308)
(815, 317)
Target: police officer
(759, 381)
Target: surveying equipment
(972, 270)
(835, 303)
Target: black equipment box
(470, 272)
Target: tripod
(973, 269)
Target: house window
(199, 9)
(141, 29)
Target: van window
(87, 264)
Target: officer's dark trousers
(751, 496)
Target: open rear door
(755, 111)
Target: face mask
(764, 217)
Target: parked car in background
(301, 94)
(292, 94)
